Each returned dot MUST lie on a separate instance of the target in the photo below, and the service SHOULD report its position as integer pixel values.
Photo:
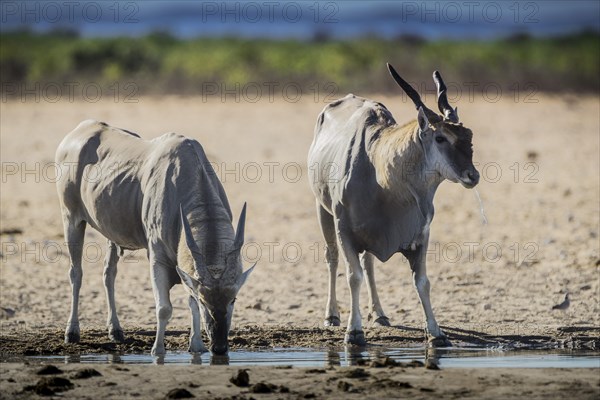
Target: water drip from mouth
(484, 220)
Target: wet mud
(51, 341)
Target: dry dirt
(157, 382)
(492, 283)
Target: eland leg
(74, 235)
(354, 331)
(332, 314)
(375, 311)
(161, 285)
(115, 332)
(196, 343)
(417, 260)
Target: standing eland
(161, 195)
(374, 183)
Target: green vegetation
(159, 63)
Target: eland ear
(239, 233)
(245, 275)
(187, 231)
(187, 279)
(423, 120)
(192, 246)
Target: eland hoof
(72, 337)
(332, 321)
(116, 335)
(440, 341)
(382, 321)
(356, 338)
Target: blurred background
(248, 79)
(173, 47)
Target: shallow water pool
(303, 357)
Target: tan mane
(396, 146)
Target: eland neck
(210, 221)
(401, 164)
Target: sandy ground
(136, 381)
(498, 281)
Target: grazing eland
(160, 195)
(374, 183)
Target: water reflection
(377, 353)
(470, 357)
(115, 358)
(333, 358)
(72, 358)
(196, 359)
(219, 359)
(432, 357)
(159, 360)
(355, 355)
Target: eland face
(216, 306)
(447, 143)
(449, 151)
(214, 287)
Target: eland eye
(440, 139)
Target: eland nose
(219, 349)
(473, 176)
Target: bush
(160, 63)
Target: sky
(304, 19)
